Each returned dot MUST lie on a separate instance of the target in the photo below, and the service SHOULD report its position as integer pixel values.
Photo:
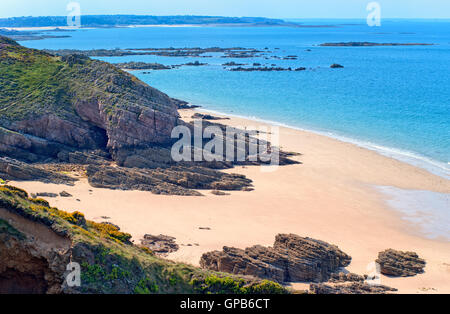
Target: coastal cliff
(72, 111)
(50, 103)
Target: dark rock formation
(349, 288)
(369, 44)
(11, 169)
(142, 66)
(196, 63)
(400, 264)
(173, 180)
(232, 63)
(65, 194)
(260, 69)
(219, 193)
(46, 194)
(206, 117)
(292, 258)
(346, 277)
(161, 244)
(336, 66)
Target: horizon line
(229, 16)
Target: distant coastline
(110, 21)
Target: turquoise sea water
(395, 100)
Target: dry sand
(330, 196)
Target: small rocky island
(370, 44)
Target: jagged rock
(65, 194)
(346, 277)
(220, 193)
(349, 288)
(173, 180)
(46, 194)
(206, 117)
(292, 258)
(12, 169)
(161, 244)
(400, 264)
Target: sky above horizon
(263, 8)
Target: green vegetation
(110, 263)
(216, 284)
(5, 227)
(35, 83)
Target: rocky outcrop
(370, 44)
(400, 264)
(207, 117)
(349, 288)
(161, 244)
(346, 277)
(11, 169)
(174, 180)
(79, 103)
(292, 258)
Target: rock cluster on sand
(400, 264)
(161, 244)
(11, 169)
(207, 117)
(292, 258)
(346, 277)
(349, 288)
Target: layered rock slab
(292, 258)
(400, 264)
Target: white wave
(433, 166)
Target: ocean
(395, 100)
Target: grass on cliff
(34, 82)
(112, 264)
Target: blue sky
(266, 8)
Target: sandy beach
(330, 196)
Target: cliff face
(49, 103)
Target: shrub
(111, 231)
